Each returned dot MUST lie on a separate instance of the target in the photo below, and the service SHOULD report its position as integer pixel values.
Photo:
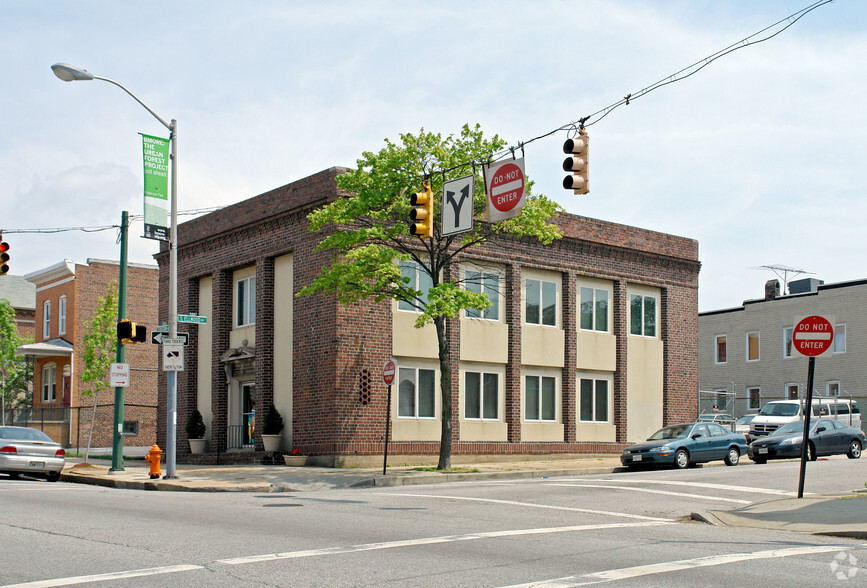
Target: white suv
(780, 412)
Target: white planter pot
(295, 460)
(271, 442)
(198, 445)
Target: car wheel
(854, 449)
(681, 459)
(733, 456)
(811, 452)
(52, 476)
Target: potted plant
(295, 458)
(271, 427)
(196, 431)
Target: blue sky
(758, 156)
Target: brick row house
(67, 294)
(591, 342)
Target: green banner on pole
(156, 187)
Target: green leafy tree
(100, 351)
(13, 369)
(368, 232)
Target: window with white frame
(593, 399)
(245, 302)
(49, 383)
(46, 319)
(61, 316)
(719, 349)
(419, 279)
(593, 309)
(787, 341)
(481, 395)
(540, 299)
(416, 393)
(754, 398)
(753, 346)
(540, 398)
(642, 315)
(832, 388)
(488, 283)
(792, 391)
(839, 339)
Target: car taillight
(60, 453)
(8, 449)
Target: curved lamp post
(70, 73)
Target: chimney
(772, 289)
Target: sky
(758, 156)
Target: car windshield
(745, 420)
(672, 432)
(796, 427)
(23, 434)
(772, 409)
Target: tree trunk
(445, 461)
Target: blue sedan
(685, 445)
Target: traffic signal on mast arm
(129, 332)
(422, 213)
(4, 256)
(578, 163)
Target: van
(780, 412)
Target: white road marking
(676, 566)
(650, 491)
(532, 505)
(104, 577)
(696, 485)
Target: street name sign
(192, 318)
(813, 335)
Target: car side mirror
(820, 429)
(696, 436)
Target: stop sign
(388, 372)
(813, 336)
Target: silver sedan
(30, 451)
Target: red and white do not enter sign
(813, 336)
(507, 187)
(388, 372)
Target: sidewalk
(843, 515)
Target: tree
(100, 350)
(371, 236)
(13, 369)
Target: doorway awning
(51, 348)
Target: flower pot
(197, 445)
(271, 442)
(295, 460)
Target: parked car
(780, 412)
(686, 444)
(826, 437)
(742, 425)
(30, 451)
(720, 418)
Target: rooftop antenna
(783, 272)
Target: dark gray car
(827, 437)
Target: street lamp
(70, 73)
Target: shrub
(273, 423)
(195, 425)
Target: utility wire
(97, 228)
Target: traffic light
(422, 213)
(129, 332)
(578, 163)
(4, 256)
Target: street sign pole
(388, 377)
(808, 411)
(120, 352)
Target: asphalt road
(629, 529)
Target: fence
(70, 426)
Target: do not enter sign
(388, 372)
(506, 187)
(813, 336)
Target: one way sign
(458, 206)
(158, 338)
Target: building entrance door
(248, 414)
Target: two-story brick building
(591, 341)
(67, 294)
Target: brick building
(67, 294)
(591, 342)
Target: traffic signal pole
(120, 355)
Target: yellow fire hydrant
(153, 456)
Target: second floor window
(541, 303)
(787, 341)
(61, 316)
(245, 302)
(752, 347)
(594, 309)
(719, 349)
(840, 339)
(484, 283)
(419, 279)
(642, 315)
(46, 319)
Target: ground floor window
(130, 427)
(540, 398)
(416, 396)
(481, 396)
(754, 398)
(593, 400)
(49, 383)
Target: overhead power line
(97, 228)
